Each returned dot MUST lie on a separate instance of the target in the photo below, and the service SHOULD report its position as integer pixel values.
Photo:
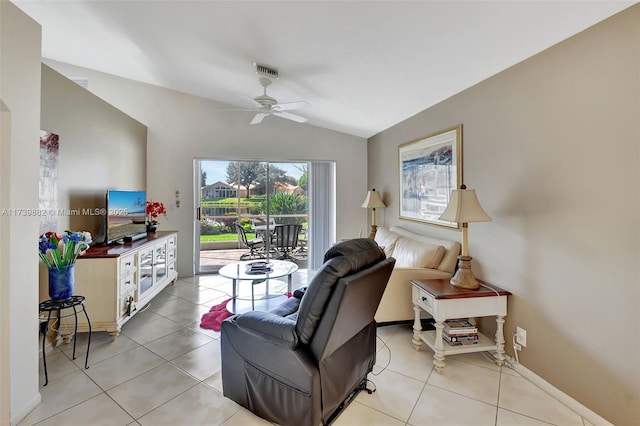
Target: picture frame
(429, 169)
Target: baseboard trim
(25, 410)
(556, 393)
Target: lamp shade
(464, 207)
(373, 200)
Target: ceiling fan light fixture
(265, 105)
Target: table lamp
(372, 201)
(464, 208)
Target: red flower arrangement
(155, 209)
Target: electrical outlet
(521, 336)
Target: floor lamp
(373, 201)
(464, 208)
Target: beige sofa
(417, 257)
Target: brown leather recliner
(298, 364)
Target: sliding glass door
(253, 195)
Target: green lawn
(223, 237)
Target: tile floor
(165, 370)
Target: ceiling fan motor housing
(265, 100)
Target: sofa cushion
(451, 248)
(387, 240)
(410, 253)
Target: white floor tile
(62, 394)
(395, 394)
(169, 306)
(102, 347)
(200, 405)
(481, 359)
(122, 367)
(178, 343)
(245, 417)
(469, 380)
(198, 295)
(519, 395)
(406, 360)
(509, 418)
(215, 381)
(357, 414)
(403, 335)
(201, 362)
(143, 332)
(58, 365)
(387, 331)
(189, 317)
(142, 315)
(440, 407)
(150, 390)
(97, 411)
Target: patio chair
(287, 240)
(255, 245)
(260, 227)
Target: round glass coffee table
(241, 271)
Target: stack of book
(458, 332)
(258, 268)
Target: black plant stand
(50, 306)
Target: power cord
(388, 361)
(516, 346)
(490, 288)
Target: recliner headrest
(362, 252)
(341, 260)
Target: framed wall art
(430, 168)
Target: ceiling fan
(265, 105)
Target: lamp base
(372, 234)
(464, 277)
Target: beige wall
(5, 247)
(100, 148)
(20, 49)
(552, 147)
(183, 127)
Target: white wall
(5, 247)
(552, 146)
(20, 48)
(183, 127)
(100, 148)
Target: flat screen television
(126, 212)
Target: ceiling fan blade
(258, 118)
(236, 109)
(250, 101)
(289, 116)
(291, 105)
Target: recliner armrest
(276, 329)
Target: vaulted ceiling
(362, 65)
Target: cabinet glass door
(146, 271)
(160, 261)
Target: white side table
(444, 301)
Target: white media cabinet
(118, 280)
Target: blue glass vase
(61, 282)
